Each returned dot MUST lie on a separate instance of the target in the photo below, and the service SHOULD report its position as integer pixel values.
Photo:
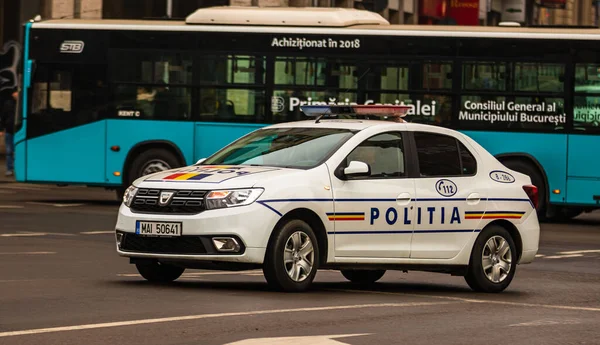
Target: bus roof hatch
(284, 16)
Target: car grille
(183, 202)
(163, 245)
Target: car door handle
(403, 199)
(473, 198)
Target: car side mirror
(200, 160)
(357, 168)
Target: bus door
(583, 177)
(66, 137)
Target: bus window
(436, 75)
(151, 67)
(300, 71)
(587, 78)
(64, 96)
(304, 71)
(539, 77)
(162, 102)
(484, 76)
(231, 69)
(394, 78)
(231, 104)
(51, 91)
(586, 112)
(346, 74)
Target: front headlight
(128, 196)
(231, 198)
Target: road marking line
(24, 234)
(211, 316)
(470, 300)
(581, 251)
(28, 253)
(540, 255)
(97, 232)
(18, 280)
(53, 204)
(546, 322)
(301, 340)
(29, 234)
(563, 256)
(11, 206)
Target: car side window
(384, 153)
(469, 164)
(443, 155)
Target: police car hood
(212, 177)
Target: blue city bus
(106, 101)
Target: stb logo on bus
(73, 47)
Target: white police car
(360, 196)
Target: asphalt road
(61, 282)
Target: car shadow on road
(382, 288)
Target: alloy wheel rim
(154, 166)
(496, 259)
(298, 256)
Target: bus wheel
(536, 179)
(146, 163)
(563, 214)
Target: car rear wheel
(292, 257)
(159, 273)
(363, 277)
(493, 261)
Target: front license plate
(166, 229)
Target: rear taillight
(532, 193)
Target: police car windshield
(283, 147)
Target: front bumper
(250, 225)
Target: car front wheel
(292, 257)
(493, 261)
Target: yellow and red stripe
(180, 176)
(494, 215)
(356, 216)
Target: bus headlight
(231, 198)
(129, 194)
